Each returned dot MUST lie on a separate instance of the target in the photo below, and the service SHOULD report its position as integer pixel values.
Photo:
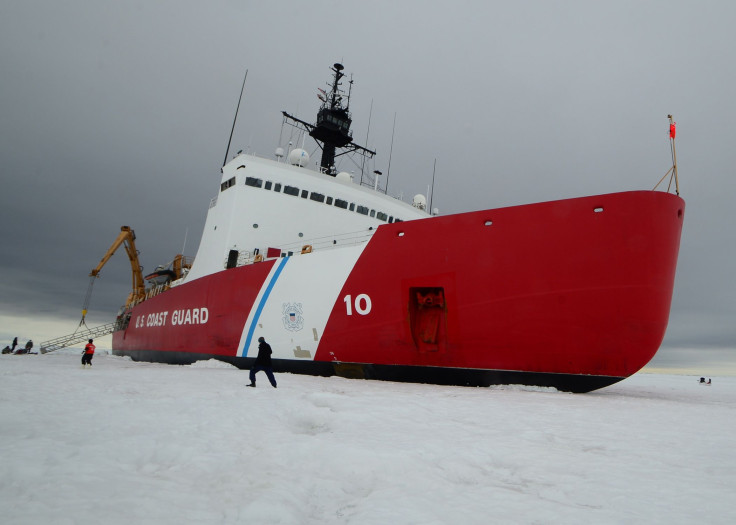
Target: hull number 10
(362, 304)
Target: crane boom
(126, 237)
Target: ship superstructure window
(252, 181)
(227, 184)
(314, 196)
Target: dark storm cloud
(118, 113)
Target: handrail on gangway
(77, 337)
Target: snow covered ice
(127, 442)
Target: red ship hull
(573, 294)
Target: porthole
(255, 225)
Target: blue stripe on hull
(261, 304)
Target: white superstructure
(266, 204)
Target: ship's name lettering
(178, 318)
(190, 316)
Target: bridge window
(291, 190)
(329, 201)
(227, 184)
(267, 186)
(341, 204)
(305, 194)
(362, 210)
(252, 181)
(277, 187)
(317, 197)
(381, 216)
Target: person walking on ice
(263, 362)
(89, 352)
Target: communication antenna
(362, 164)
(432, 194)
(227, 151)
(390, 154)
(331, 131)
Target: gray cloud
(119, 113)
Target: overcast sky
(118, 113)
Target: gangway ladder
(77, 337)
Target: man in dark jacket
(263, 362)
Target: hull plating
(573, 294)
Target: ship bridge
(333, 126)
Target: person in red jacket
(89, 352)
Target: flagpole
(674, 153)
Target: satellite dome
(279, 152)
(298, 157)
(345, 176)
(420, 201)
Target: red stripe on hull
(552, 287)
(227, 296)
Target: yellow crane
(179, 266)
(125, 237)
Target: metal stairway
(77, 337)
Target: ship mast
(332, 129)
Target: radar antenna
(332, 129)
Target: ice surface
(126, 442)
